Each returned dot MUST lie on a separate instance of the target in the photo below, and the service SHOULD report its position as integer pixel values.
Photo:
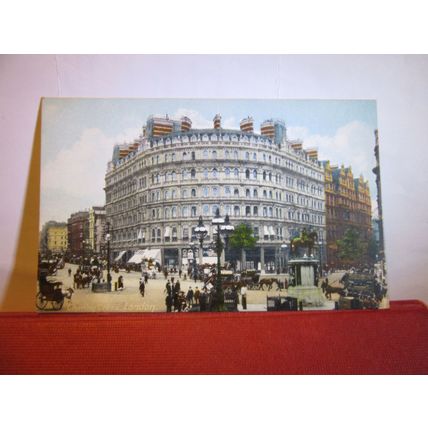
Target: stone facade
(157, 186)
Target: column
(262, 260)
(244, 259)
(180, 254)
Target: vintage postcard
(192, 205)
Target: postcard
(210, 205)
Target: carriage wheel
(41, 301)
(57, 305)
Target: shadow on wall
(20, 292)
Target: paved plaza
(130, 300)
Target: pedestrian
(69, 272)
(142, 286)
(179, 273)
(189, 297)
(177, 286)
(196, 295)
(168, 303)
(244, 296)
(168, 288)
(120, 283)
(146, 277)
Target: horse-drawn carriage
(50, 291)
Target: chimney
(247, 124)
(217, 121)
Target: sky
(78, 135)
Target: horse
(268, 282)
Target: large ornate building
(157, 186)
(348, 205)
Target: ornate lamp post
(108, 237)
(284, 247)
(223, 227)
(201, 233)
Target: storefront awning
(137, 257)
(266, 230)
(119, 257)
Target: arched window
(167, 212)
(254, 156)
(247, 173)
(184, 156)
(227, 172)
(185, 193)
(193, 173)
(236, 173)
(205, 191)
(255, 193)
(255, 174)
(174, 176)
(193, 193)
(205, 173)
(270, 211)
(214, 209)
(215, 173)
(247, 156)
(227, 191)
(255, 211)
(264, 212)
(193, 212)
(214, 154)
(264, 193)
(270, 194)
(236, 210)
(235, 154)
(174, 234)
(270, 176)
(247, 211)
(247, 193)
(205, 154)
(166, 194)
(193, 156)
(235, 192)
(227, 210)
(166, 157)
(227, 154)
(205, 210)
(184, 211)
(173, 194)
(174, 212)
(264, 175)
(215, 191)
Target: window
(214, 209)
(174, 176)
(184, 211)
(215, 191)
(247, 173)
(227, 210)
(215, 173)
(227, 191)
(214, 154)
(236, 211)
(205, 191)
(227, 154)
(264, 175)
(247, 193)
(264, 212)
(255, 193)
(255, 211)
(235, 154)
(193, 212)
(236, 173)
(174, 212)
(184, 156)
(205, 209)
(205, 154)
(167, 212)
(193, 173)
(193, 193)
(247, 156)
(193, 156)
(227, 172)
(185, 233)
(264, 193)
(247, 211)
(205, 173)
(174, 234)
(254, 156)
(185, 193)
(173, 194)
(235, 192)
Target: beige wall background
(399, 83)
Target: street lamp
(201, 232)
(223, 227)
(108, 237)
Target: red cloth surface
(391, 341)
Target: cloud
(351, 145)
(77, 173)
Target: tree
(242, 238)
(351, 248)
